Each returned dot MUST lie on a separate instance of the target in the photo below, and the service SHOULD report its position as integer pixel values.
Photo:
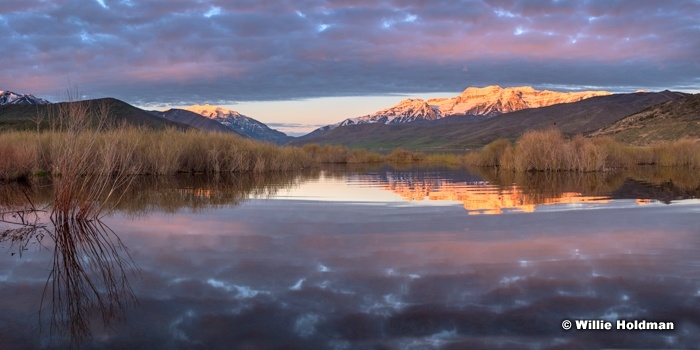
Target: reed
(443, 159)
(141, 151)
(402, 156)
(682, 152)
(18, 155)
(549, 150)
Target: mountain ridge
(494, 100)
(193, 119)
(485, 102)
(584, 116)
(240, 123)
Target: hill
(672, 120)
(26, 116)
(584, 116)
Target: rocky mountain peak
(212, 112)
(408, 110)
(12, 98)
(493, 100)
(239, 123)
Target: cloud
(186, 50)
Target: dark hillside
(26, 117)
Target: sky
(301, 64)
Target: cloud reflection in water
(304, 273)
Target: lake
(359, 258)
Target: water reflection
(21, 217)
(88, 286)
(301, 273)
(88, 276)
(480, 190)
(335, 258)
(494, 192)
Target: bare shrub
(491, 154)
(540, 150)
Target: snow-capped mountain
(240, 123)
(192, 119)
(408, 110)
(489, 101)
(12, 98)
(494, 100)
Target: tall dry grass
(401, 155)
(335, 154)
(143, 151)
(549, 150)
(173, 151)
(683, 152)
(19, 153)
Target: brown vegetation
(549, 150)
(139, 151)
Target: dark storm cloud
(187, 51)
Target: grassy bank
(549, 150)
(123, 150)
(139, 151)
(72, 153)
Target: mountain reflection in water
(494, 192)
(337, 259)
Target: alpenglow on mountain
(240, 123)
(485, 102)
(12, 98)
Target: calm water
(361, 259)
